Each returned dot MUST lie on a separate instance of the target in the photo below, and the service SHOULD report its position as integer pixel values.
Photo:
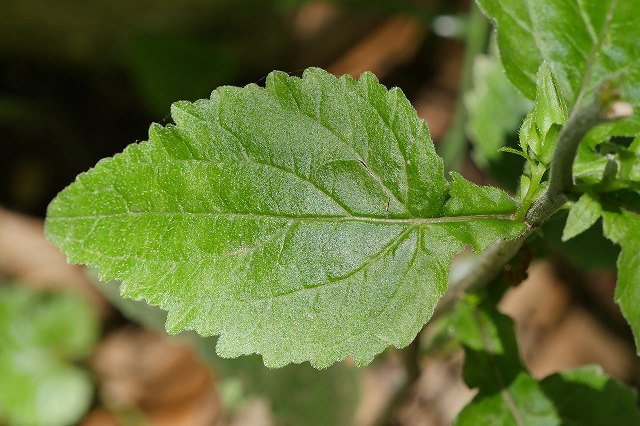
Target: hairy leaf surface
(308, 220)
(588, 42)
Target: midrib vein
(318, 218)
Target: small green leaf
(515, 151)
(540, 129)
(628, 170)
(467, 198)
(491, 350)
(520, 401)
(622, 228)
(588, 42)
(493, 365)
(606, 165)
(589, 251)
(583, 214)
(308, 220)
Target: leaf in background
(508, 395)
(629, 169)
(590, 166)
(589, 251)
(582, 396)
(583, 215)
(608, 165)
(491, 350)
(587, 396)
(588, 42)
(495, 109)
(40, 335)
(304, 221)
(622, 228)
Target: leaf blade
(270, 217)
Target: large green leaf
(582, 396)
(588, 42)
(308, 220)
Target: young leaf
(606, 165)
(588, 42)
(583, 214)
(622, 228)
(302, 221)
(539, 135)
(590, 166)
(629, 169)
(539, 131)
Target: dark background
(80, 80)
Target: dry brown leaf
(160, 377)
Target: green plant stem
(561, 174)
(490, 264)
(453, 143)
(493, 260)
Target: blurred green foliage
(42, 335)
(509, 395)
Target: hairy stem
(490, 264)
(561, 176)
